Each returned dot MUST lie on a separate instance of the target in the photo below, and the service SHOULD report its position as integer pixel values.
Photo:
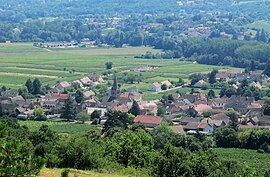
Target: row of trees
(249, 139)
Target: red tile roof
(148, 119)
(156, 84)
(202, 125)
(221, 76)
(59, 96)
(202, 108)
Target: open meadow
(20, 61)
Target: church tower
(115, 91)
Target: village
(189, 113)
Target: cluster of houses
(157, 86)
(190, 113)
(238, 76)
(195, 105)
(53, 101)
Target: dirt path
(175, 88)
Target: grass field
(260, 25)
(260, 162)
(20, 61)
(61, 127)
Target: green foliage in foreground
(158, 153)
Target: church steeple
(115, 91)
(115, 85)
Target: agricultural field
(260, 162)
(61, 127)
(20, 61)
(259, 25)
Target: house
(199, 84)
(178, 129)
(77, 82)
(254, 120)
(62, 85)
(264, 120)
(187, 120)
(214, 123)
(222, 77)
(232, 73)
(221, 116)
(239, 104)
(168, 83)
(85, 81)
(57, 96)
(148, 108)
(219, 103)
(148, 121)
(89, 94)
(191, 126)
(241, 76)
(256, 85)
(24, 113)
(205, 128)
(155, 87)
(200, 108)
(91, 110)
(95, 78)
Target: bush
(65, 173)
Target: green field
(260, 25)
(60, 127)
(20, 61)
(260, 162)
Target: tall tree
(29, 85)
(78, 96)
(135, 109)
(211, 94)
(116, 119)
(233, 119)
(108, 65)
(36, 86)
(212, 77)
(69, 111)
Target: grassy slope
(259, 161)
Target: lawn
(61, 127)
(261, 162)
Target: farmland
(20, 61)
(260, 162)
(60, 127)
